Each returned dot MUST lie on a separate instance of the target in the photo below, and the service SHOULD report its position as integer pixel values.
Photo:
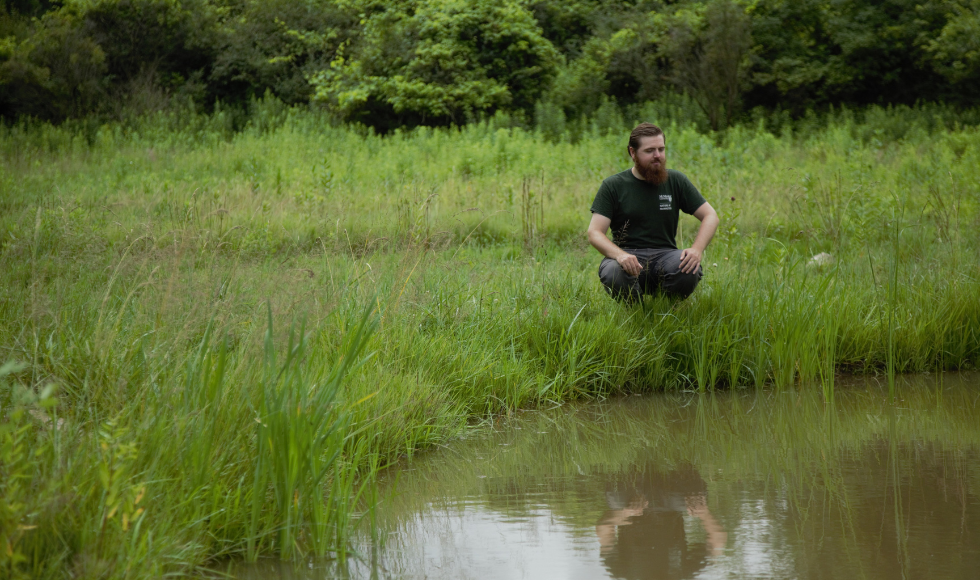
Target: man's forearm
(604, 245)
(705, 232)
(630, 264)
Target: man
(642, 206)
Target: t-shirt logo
(665, 200)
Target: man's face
(651, 159)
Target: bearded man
(642, 206)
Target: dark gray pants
(661, 274)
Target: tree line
(398, 63)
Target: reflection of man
(642, 534)
(642, 206)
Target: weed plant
(196, 299)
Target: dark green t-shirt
(644, 215)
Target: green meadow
(212, 339)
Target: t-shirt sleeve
(604, 203)
(691, 198)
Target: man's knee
(673, 282)
(680, 284)
(616, 281)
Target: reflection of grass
(121, 255)
(833, 481)
(777, 432)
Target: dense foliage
(411, 62)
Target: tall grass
(155, 274)
(300, 435)
(233, 457)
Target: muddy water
(745, 485)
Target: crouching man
(641, 205)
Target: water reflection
(750, 485)
(642, 534)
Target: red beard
(656, 175)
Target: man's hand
(630, 264)
(690, 260)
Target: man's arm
(597, 237)
(606, 528)
(697, 505)
(691, 257)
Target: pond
(730, 485)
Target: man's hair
(644, 130)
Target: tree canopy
(411, 62)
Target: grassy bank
(240, 328)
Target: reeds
(300, 435)
(160, 482)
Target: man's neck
(636, 173)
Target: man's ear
(631, 152)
